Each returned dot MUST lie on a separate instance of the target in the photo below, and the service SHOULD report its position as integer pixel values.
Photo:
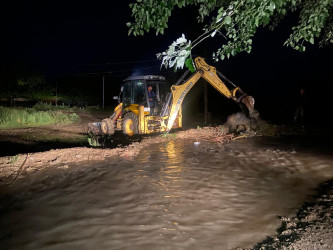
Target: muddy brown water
(174, 195)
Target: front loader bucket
(95, 128)
(96, 137)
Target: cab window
(127, 89)
(138, 92)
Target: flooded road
(174, 195)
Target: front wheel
(130, 124)
(107, 126)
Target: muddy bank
(42, 138)
(12, 166)
(311, 228)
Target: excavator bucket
(249, 103)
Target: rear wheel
(130, 124)
(107, 126)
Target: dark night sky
(58, 39)
(63, 38)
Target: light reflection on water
(172, 196)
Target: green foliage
(24, 84)
(168, 135)
(93, 142)
(29, 85)
(165, 134)
(190, 64)
(42, 106)
(237, 21)
(313, 19)
(73, 117)
(44, 95)
(31, 81)
(173, 135)
(14, 159)
(13, 118)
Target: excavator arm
(210, 75)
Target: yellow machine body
(134, 119)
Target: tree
(19, 80)
(237, 21)
(31, 82)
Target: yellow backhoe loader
(140, 112)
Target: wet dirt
(168, 194)
(164, 191)
(311, 228)
(12, 166)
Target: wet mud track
(11, 146)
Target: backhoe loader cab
(134, 91)
(138, 114)
(135, 114)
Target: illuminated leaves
(176, 54)
(236, 21)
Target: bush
(26, 117)
(41, 106)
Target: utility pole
(103, 92)
(56, 93)
(206, 102)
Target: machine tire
(130, 124)
(107, 126)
